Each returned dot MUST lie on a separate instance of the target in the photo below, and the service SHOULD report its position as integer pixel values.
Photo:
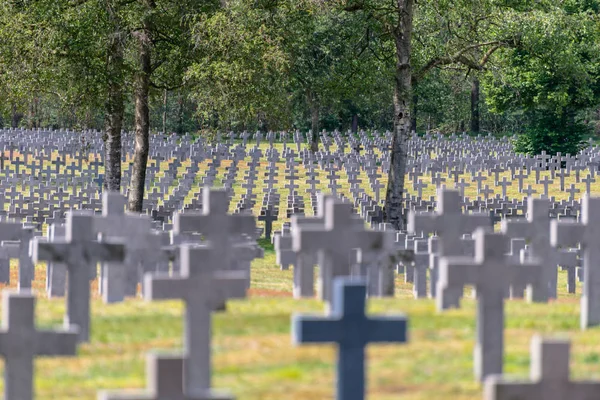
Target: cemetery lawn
(252, 351)
(253, 355)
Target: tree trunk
(413, 117)
(180, 114)
(313, 103)
(475, 105)
(354, 123)
(142, 116)
(115, 108)
(314, 117)
(164, 116)
(16, 117)
(393, 208)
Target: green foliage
(552, 134)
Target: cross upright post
(450, 224)
(549, 373)
(21, 342)
(492, 273)
(203, 287)
(587, 234)
(352, 330)
(80, 253)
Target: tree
(279, 63)
(550, 76)
(450, 34)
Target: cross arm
(455, 272)
(516, 229)
(243, 224)
(528, 273)
(309, 239)
(391, 328)
(105, 251)
(187, 222)
(228, 285)
(63, 343)
(565, 233)
(164, 287)
(421, 222)
(49, 251)
(566, 258)
(496, 388)
(583, 390)
(374, 240)
(315, 329)
(472, 221)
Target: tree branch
(460, 58)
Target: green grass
(253, 355)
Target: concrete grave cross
(352, 330)
(450, 224)
(339, 234)
(204, 285)
(56, 273)
(164, 376)
(214, 223)
(536, 229)
(549, 374)
(13, 232)
(21, 342)
(268, 215)
(587, 234)
(492, 273)
(121, 279)
(80, 253)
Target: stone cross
(164, 376)
(549, 374)
(204, 285)
(492, 273)
(268, 216)
(14, 231)
(450, 224)
(352, 330)
(21, 342)
(80, 253)
(335, 239)
(587, 234)
(121, 279)
(214, 223)
(536, 229)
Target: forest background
(517, 67)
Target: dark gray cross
(352, 330)
(268, 216)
